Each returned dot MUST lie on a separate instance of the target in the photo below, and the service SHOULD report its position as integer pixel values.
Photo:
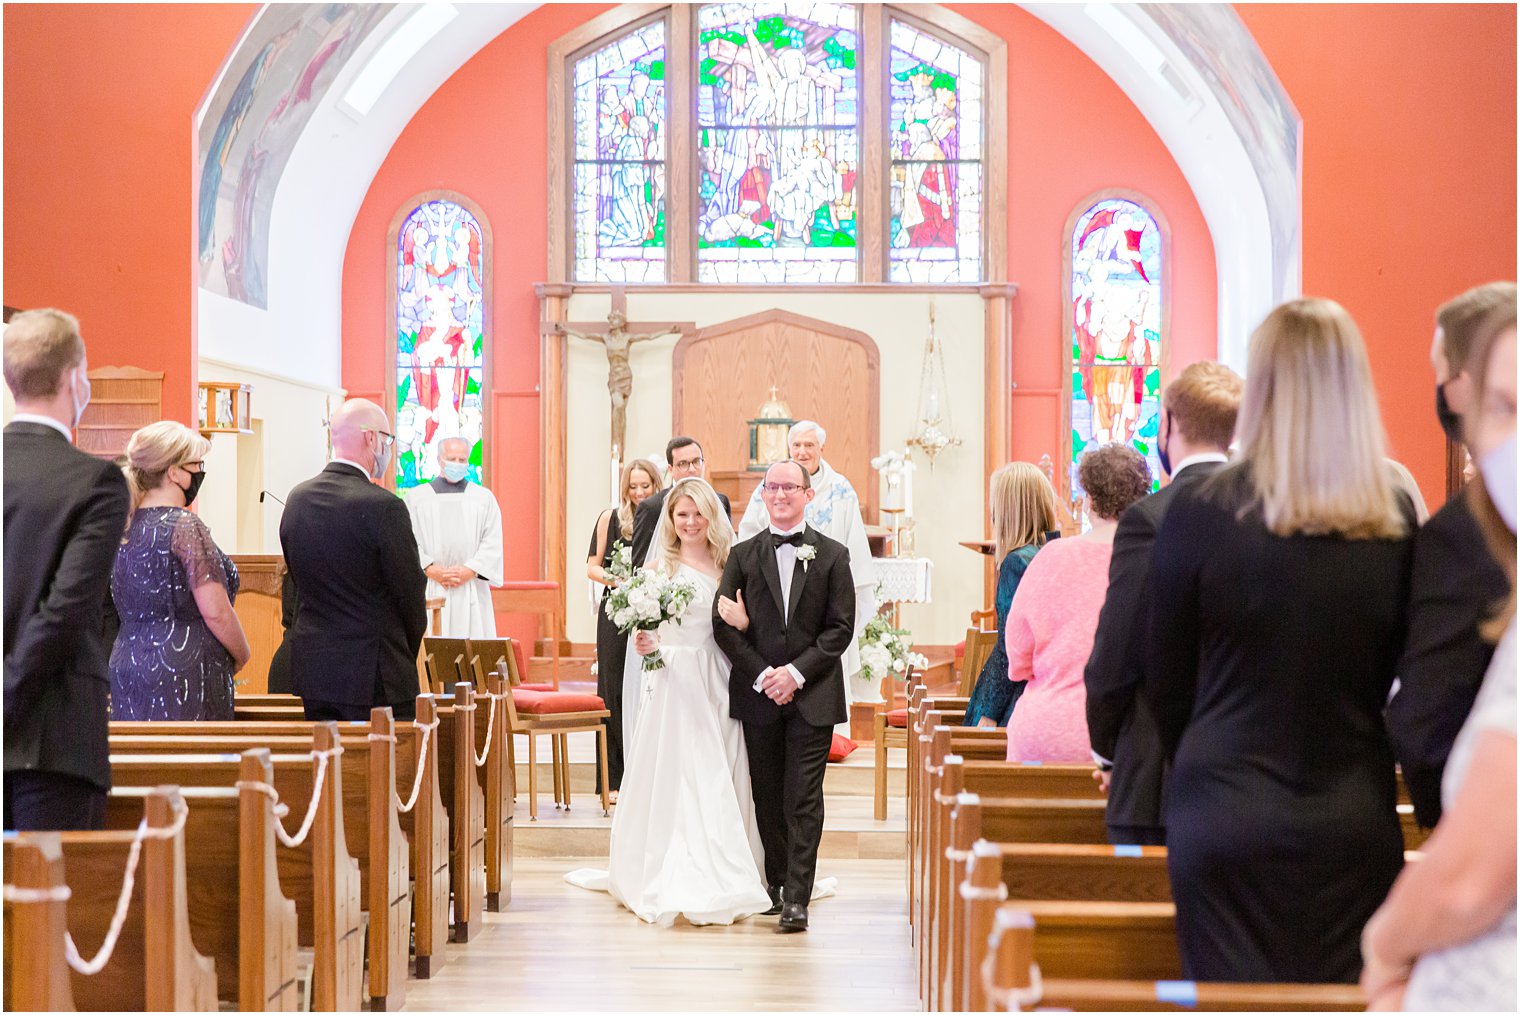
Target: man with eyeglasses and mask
(684, 457)
(349, 546)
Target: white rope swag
(60, 893)
(319, 782)
(422, 753)
(480, 759)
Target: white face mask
(1498, 468)
(79, 406)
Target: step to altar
(849, 830)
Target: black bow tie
(778, 540)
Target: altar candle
(907, 482)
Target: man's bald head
(356, 433)
(453, 448)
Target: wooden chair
(555, 714)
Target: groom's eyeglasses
(783, 488)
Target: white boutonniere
(805, 553)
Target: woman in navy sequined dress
(180, 642)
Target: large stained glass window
(440, 337)
(1116, 280)
(936, 174)
(779, 143)
(619, 178)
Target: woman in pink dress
(1055, 614)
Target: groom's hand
(779, 685)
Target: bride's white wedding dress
(684, 838)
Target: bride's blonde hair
(719, 534)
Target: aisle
(560, 948)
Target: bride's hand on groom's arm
(645, 642)
(733, 612)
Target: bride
(684, 838)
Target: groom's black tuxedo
(821, 621)
(788, 745)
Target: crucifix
(617, 338)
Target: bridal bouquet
(887, 650)
(644, 601)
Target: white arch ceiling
(298, 159)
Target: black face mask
(1451, 421)
(1166, 459)
(196, 479)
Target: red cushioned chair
(557, 714)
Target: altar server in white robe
(458, 530)
(834, 511)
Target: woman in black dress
(180, 643)
(1277, 620)
(614, 528)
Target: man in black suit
(349, 547)
(65, 512)
(1454, 585)
(1197, 424)
(787, 683)
(684, 457)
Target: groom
(787, 685)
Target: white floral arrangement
(887, 651)
(645, 600)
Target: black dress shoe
(775, 909)
(793, 918)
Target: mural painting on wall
(1116, 333)
(440, 338)
(620, 159)
(936, 181)
(250, 127)
(778, 145)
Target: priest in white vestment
(834, 511)
(458, 530)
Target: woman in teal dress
(1023, 507)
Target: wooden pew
(1016, 947)
(36, 974)
(320, 874)
(379, 834)
(154, 965)
(232, 866)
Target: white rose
(622, 617)
(898, 666)
(649, 610)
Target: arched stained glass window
(779, 143)
(441, 260)
(620, 159)
(1117, 273)
(936, 143)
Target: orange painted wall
(98, 107)
(1058, 158)
(1409, 178)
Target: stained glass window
(935, 138)
(619, 178)
(1116, 333)
(440, 338)
(778, 146)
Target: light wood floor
(560, 948)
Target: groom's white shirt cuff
(797, 676)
